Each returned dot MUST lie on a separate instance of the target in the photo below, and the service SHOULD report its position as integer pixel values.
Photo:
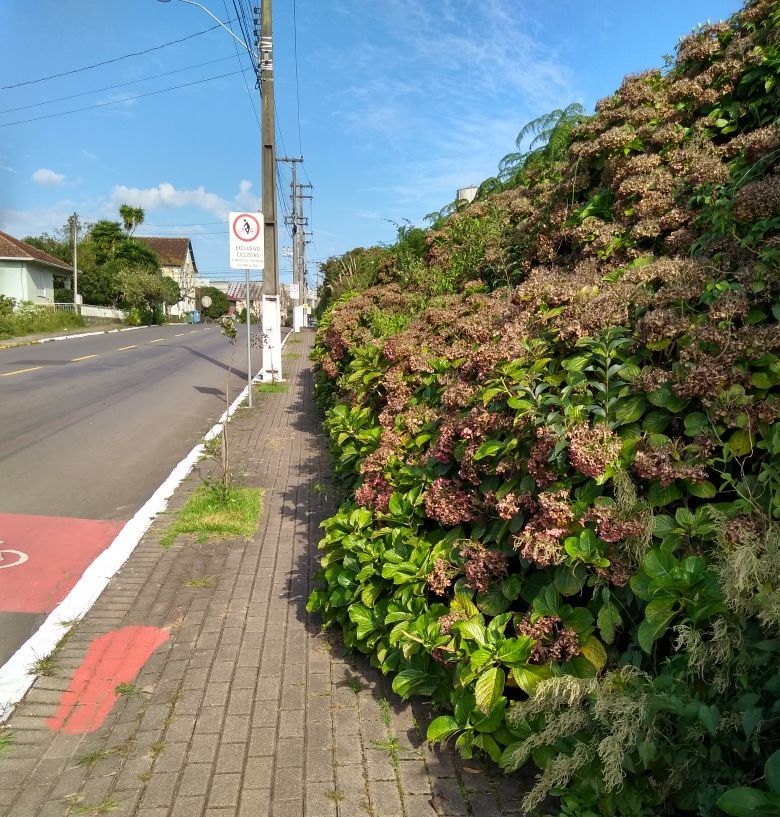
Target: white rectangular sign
(294, 291)
(246, 240)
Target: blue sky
(393, 105)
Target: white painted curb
(15, 675)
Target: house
(29, 274)
(177, 261)
(236, 295)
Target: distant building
(467, 194)
(29, 274)
(177, 261)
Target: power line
(108, 62)
(119, 101)
(112, 87)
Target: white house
(27, 273)
(177, 261)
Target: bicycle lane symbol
(19, 558)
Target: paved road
(89, 428)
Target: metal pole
(248, 341)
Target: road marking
(21, 558)
(157, 340)
(123, 348)
(86, 357)
(21, 371)
(179, 334)
(111, 660)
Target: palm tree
(131, 217)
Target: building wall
(26, 281)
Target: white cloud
(48, 178)
(167, 197)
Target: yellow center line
(86, 357)
(157, 341)
(21, 371)
(123, 348)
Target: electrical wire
(108, 62)
(112, 87)
(119, 101)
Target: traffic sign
(246, 240)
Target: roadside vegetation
(27, 319)
(553, 420)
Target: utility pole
(75, 218)
(302, 235)
(271, 306)
(268, 124)
(293, 221)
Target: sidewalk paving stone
(248, 709)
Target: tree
(132, 218)
(170, 290)
(219, 302)
(551, 134)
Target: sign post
(247, 252)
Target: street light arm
(216, 19)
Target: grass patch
(213, 513)
(5, 740)
(271, 388)
(126, 688)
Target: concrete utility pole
(304, 222)
(76, 263)
(268, 124)
(272, 302)
(293, 221)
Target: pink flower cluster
(440, 578)
(610, 527)
(591, 450)
(447, 502)
(554, 642)
(540, 540)
(374, 493)
(482, 566)
(539, 460)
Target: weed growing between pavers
(199, 581)
(77, 806)
(47, 664)
(213, 512)
(95, 757)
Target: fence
(93, 314)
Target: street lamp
(271, 309)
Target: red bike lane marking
(58, 550)
(112, 659)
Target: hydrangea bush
(555, 430)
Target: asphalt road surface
(89, 428)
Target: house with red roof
(28, 274)
(177, 261)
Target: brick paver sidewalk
(247, 709)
